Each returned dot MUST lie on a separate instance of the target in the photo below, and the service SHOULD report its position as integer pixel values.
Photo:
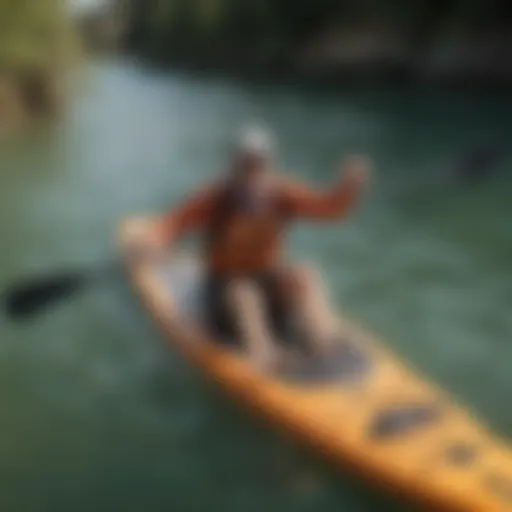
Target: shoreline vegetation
(453, 42)
(464, 43)
(38, 47)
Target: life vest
(244, 233)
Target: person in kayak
(250, 292)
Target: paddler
(251, 293)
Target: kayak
(363, 409)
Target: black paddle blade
(30, 296)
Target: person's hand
(356, 171)
(157, 237)
(145, 239)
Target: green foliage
(35, 34)
(228, 23)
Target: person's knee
(241, 290)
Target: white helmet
(255, 140)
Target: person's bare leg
(247, 303)
(313, 309)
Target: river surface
(98, 415)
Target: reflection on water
(97, 414)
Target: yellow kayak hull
(372, 415)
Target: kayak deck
(365, 409)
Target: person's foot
(323, 349)
(291, 358)
(265, 361)
(277, 360)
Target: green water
(98, 415)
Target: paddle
(30, 296)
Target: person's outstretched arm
(193, 214)
(302, 201)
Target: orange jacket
(244, 243)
